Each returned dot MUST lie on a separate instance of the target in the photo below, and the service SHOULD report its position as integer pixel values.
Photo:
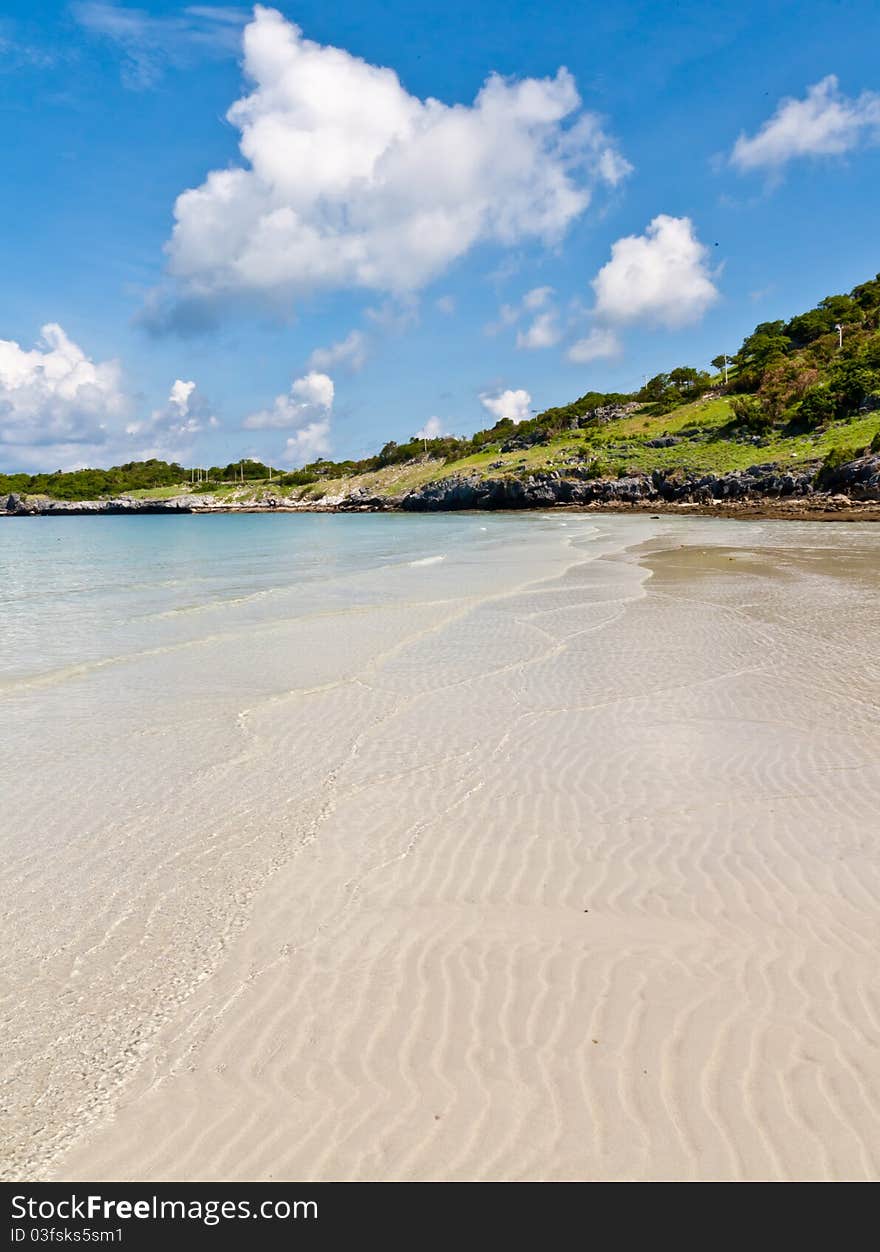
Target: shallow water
(305, 812)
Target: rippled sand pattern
(574, 878)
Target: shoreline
(766, 492)
(817, 508)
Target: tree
(766, 343)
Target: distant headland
(788, 425)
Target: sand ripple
(577, 880)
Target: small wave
(427, 560)
(183, 609)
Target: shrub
(817, 407)
(833, 461)
(750, 414)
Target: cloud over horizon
(434, 428)
(170, 430)
(305, 411)
(54, 399)
(512, 404)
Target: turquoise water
(81, 589)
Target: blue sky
(351, 262)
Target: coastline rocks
(362, 500)
(854, 482)
(859, 479)
(544, 490)
(46, 506)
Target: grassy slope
(623, 444)
(618, 445)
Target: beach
(440, 847)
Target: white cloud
(170, 430)
(432, 429)
(394, 317)
(306, 410)
(511, 404)
(661, 277)
(309, 396)
(308, 444)
(544, 332)
(56, 404)
(150, 43)
(824, 123)
(445, 305)
(508, 315)
(537, 298)
(613, 167)
(350, 353)
(351, 182)
(600, 342)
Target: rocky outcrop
(544, 490)
(363, 501)
(31, 506)
(859, 479)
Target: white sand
(572, 874)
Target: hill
(798, 395)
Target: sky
(299, 231)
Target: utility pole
(725, 369)
(839, 328)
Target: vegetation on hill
(800, 392)
(91, 484)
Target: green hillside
(795, 393)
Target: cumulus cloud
(351, 182)
(600, 342)
(432, 429)
(514, 405)
(350, 353)
(824, 123)
(543, 332)
(309, 396)
(305, 410)
(661, 277)
(308, 444)
(171, 429)
(55, 402)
